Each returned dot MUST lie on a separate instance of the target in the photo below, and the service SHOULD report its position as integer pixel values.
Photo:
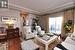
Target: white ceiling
(41, 6)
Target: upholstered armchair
(27, 32)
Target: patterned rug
(4, 46)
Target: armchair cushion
(27, 32)
(29, 35)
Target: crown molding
(20, 8)
(59, 8)
(48, 11)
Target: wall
(10, 12)
(57, 14)
(74, 20)
(30, 17)
(15, 13)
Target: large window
(55, 24)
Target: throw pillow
(73, 36)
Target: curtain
(68, 15)
(74, 20)
(44, 23)
(47, 24)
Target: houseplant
(35, 22)
(67, 29)
(68, 26)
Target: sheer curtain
(55, 24)
(52, 25)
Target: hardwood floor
(14, 44)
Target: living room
(37, 25)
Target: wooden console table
(12, 33)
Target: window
(3, 3)
(55, 24)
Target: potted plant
(68, 26)
(35, 22)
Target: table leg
(46, 47)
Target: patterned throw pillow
(73, 36)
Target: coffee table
(46, 42)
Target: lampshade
(10, 22)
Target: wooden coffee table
(46, 42)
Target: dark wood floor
(14, 44)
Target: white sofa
(69, 43)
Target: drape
(47, 24)
(68, 15)
(44, 23)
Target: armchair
(27, 32)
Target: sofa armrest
(69, 40)
(68, 46)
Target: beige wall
(10, 13)
(74, 20)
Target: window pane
(55, 24)
(58, 24)
(52, 24)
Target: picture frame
(5, 18)
(14, 19)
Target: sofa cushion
(73, 36)
(68, 46)
(69, 40)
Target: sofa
(69, 43)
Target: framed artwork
(14, 19)
(5, 18)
